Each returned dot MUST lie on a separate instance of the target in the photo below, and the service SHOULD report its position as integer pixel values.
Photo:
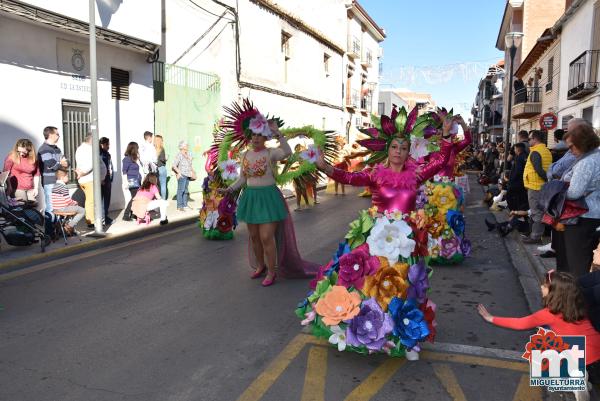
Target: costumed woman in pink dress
(372, 296)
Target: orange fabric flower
(437, 226)
(337, 305)
(387, 283)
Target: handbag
(133, 183)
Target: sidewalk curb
(69, 250)
(530, 270)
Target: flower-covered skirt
(372, 296)
(259, 205)
(442, 204)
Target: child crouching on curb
(148, 198)
(62, 202)
(565, 313)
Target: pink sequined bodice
(392, 190)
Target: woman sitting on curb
(147, 199)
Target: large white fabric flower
(211, 220)
(390, 239)
(260, 125)
(311, 154)
(229, 169)
(418, 148)
(338, 337)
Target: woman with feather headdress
(372, 296)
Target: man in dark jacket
(516, 196)
(51, 159)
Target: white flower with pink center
(311, 154)
(230, 169)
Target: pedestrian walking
(106, 187)
(51, 159)
(148, 198)
(184, 171)
(565, 313)
(132, 177)
(161, 163)
(84, 163)
(24, 171)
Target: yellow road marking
(449, 381)
(316, 372)
(376, 380)
(265, 380)
(527, 393)
(476, 360)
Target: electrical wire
(207, 11)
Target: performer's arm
(462, 145)
(437, 161)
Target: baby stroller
(20, 223)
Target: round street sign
(548, 121)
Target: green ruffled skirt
(259, 205)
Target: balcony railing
(353, 100)
(367, 60)
(527, 102)
(583, 75)
(353, 47)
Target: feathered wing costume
(372, 296)
(232, 140)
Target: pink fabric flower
(355, 266)
(258, 124)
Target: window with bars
(120, 84)
(550, 74)
(285, 50)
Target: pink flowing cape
(290, 263)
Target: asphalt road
(176, 318)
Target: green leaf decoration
(401, 119)
(358, 228)
(320, 329)
(322, 287)
(376, 121)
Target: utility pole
(98, 209)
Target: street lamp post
(512, 42)
(98, 209)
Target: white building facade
(292, 59)
(579, 30)
(387, 99)
(361, 66)
(44, 72)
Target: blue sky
(438, 33)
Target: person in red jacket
(565, 313)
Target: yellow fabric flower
(337, 305)
(443, 198)
(373, 211)
(387, 283)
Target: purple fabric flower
(227, 206)
(419, 281)
(429, 131)
(369, 327)
(355, 266)
(465, 247)
(449, 247)
(421, 199)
